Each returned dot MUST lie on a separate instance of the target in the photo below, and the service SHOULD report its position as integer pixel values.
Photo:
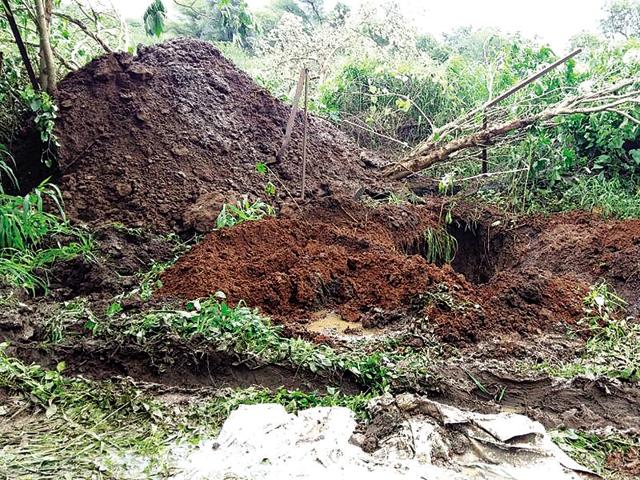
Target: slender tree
(48, 80)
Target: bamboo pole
(304, 129)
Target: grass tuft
(243, 211)
(440, 245)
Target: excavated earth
(162, 139)
(369, 266)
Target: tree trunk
(48, 80)
(424, 157)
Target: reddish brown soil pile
(585, 246)
(162, 139)
(366, 264)
(332, 256)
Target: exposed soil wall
(362, 263)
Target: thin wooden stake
(485, 159)
(304, 129)
(292, 119)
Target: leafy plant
(31, 238)
(243, 211)
(243, 332)
(613, 347)
(45, 110)
(154, 18)
(593, 450)
(440, 245)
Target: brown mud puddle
(329, 323)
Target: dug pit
(362, 264)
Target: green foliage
(45, 110)
(600, 143)
(593, 450)
(243, 332)
(243, 211)
(400, 102)
(610, 198)
(440, 245)
(154, 18)
(613, 348)
(228, 21)
(25, 222)
(80, 427)
(32, 239)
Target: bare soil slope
(163, 138)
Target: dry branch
(85, 29)
(613, 98)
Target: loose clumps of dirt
(368, 265)
(163, 138)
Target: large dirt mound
(163, 138)
(368, 265)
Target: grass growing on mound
(245, 333)
(32, 238)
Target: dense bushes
(401, 102)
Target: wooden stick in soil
(21, 48)
(304, 129)
(291, 121)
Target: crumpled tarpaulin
(420, 439)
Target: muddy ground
(503, 302)
(371, 266)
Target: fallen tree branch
(612, 98)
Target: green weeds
(243, 211)
(440, 245)
(241, 331)
(32, 239)
(66, 315)
(6, 170)
(45, 110)
(608, 197)
(113, 429)
(593, 450)
(613, 347)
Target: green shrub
(32, 238)
(401, 102)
